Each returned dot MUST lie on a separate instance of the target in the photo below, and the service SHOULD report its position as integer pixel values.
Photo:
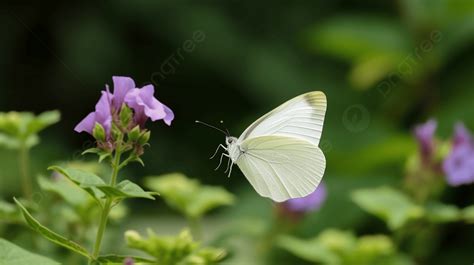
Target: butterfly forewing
(301, 117)
(282, 167)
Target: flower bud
(144, 138)
(126, 115)
(99, 132)
(134, 134)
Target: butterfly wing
(281, 167)
(301, 117)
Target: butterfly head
(229, 140)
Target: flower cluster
(124, 112)
(458, 164)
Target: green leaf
(189, 196)
(468, 214)
(103, 154)
(341, 247)
(359, 37)
(172, 250)
(8, 141)
(11, 254)
(126, 189)
(8, 212)
(394, 207)
(112, 258)
(50, 235)
(373, 249)
(85, 180)
(20, 128)
(80, 177)
(310, 250)
(375, 45)
(43, 121)
(67, 190)
(441, 213)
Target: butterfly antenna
(228, 133)
(213, 127)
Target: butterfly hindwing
(282, 167)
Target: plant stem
(196, 228)
(108, 203)
(23, 160)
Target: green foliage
(437, 212)
(397, 209)
(394, 207)
(98, 189)
(375, 45)
(64, 188)
(83, 179)
(174, 250)
(18, 129)
(50, 235)
(9, 213)
(118, 259)
(126, 189)
(337, 247)
(11, 254)
(188, 196)
(468, 214)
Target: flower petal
(87, 124)
(169, 115)
(122, 85)
(461, 135)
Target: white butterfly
(279, 153)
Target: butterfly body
(233, 148)
(279, 153)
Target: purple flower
(128, 261)
(122, 85)
(102, 115)
(424, 133)
(145, 106)
(142, 101)
(309, 203)
(462, 136)
(459, 164)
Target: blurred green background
(384, 66)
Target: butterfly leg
(230, 171)
(228, 166)
(220, 160)
(217, 150)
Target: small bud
(99, 132)
(144, 138)
(126, 115)
(134, 134)
(132, 236)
